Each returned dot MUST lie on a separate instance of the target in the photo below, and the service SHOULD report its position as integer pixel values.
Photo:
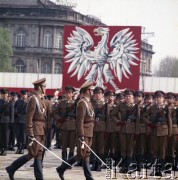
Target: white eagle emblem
(99, 65)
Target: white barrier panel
(24, 80)
(152, 84)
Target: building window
(20, 66)
(59, 41)
(57, 69)
(21, 38)
(47, 40)
(46, 69)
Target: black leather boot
(98, 164)
(21, 150)
(38, 169)
(16, 165)
(87, 172)
(94, 164)
(71, 154)
(3, 152)
(61, 169)
(123, 165)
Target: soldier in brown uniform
(36, 128)
(111, 134)
(158, 118)
(99, 127)
(67, 122)
(149, 99)
(140, 138)
(127, 116)
(172, 140)
(84, 126)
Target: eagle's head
(100, 31)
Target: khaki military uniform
(84, 126)
(127, 117)
(36, 124)
(67, 124)
(140, 138)
(173, 139)
(99, 127)
(111, 134)
(159, 121)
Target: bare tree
(168, 67)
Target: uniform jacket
(84, 118)
(173, 113)
(100, 115)
(35, 118)
(66, 115)
(127, 117)
(20, 108)
(111, 123)
(159, 119)
(6, 111)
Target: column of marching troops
(129, 127)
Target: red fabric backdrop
(131, 83)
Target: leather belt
(99, 119)
(87, 122)
(39, 120)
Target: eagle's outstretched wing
(123, 54)
(79, 53)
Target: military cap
(61, 97)
(120, 96)
(67, 88)
(98, 90)
(23, 92)
(109, 93)
(149, 96)
(4, 91)
(49, 97)
(129, 92)
(139, 93)
(171, 95)
(87, 85)
(14, 93)
(159, 94)
(40, 82)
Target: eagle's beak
(96, 32)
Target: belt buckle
(128, 120)
(97, 119)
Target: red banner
(109, 56)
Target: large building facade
(37, 31)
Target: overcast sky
(158, 16)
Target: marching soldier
(84, 126)
(99, 127)
(158, 118)
(36, 128)
(173, 138)
(126, 115)
(20, 120)
(6, 118)
(67, 122)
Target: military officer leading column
(36, 128)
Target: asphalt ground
(76, 173)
